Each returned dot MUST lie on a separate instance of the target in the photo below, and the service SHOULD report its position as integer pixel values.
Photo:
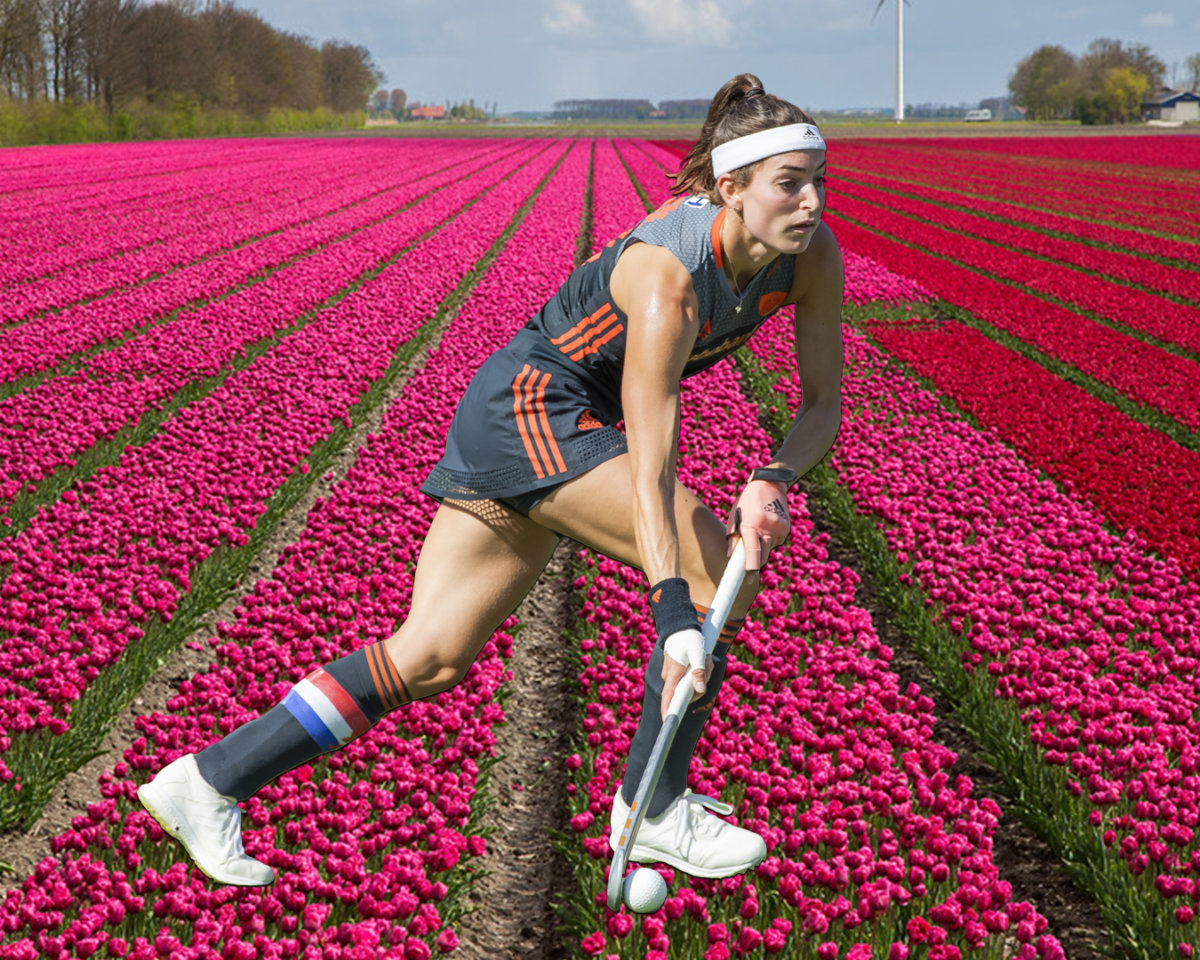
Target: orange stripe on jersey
(582, 325)
(550, 441)
(716, 239)
(583, 339)
(517, 403)
(664, 209)
(597, 344)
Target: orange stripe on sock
(378, 679)
(393, 674)
(518, 396)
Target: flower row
(1148, 375)
(367, 841)
(1175, 323)
(1088, 638)
(1146, 193)
(113, 559)
(1026, 238)
(115, 388)
(211, 268)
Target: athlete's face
(783, 202)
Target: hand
(761, 519)
(684, 650)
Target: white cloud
(688, 22)
(568, 16)
(1158, 19)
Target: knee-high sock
(324, 711)
(672, 782)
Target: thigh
(597, 509)
(478, 561)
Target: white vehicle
(984, 114)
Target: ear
(730, 192)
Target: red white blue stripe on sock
(325, 710)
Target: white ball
(644, 890)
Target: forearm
(809, 439)
(654, 526)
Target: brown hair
(740, 107)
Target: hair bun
(754, 92)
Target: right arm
(654, 291)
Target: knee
(427, 668)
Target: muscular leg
(595, 509)
(478, 560)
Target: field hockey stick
(718, 612)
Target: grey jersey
(582, 325)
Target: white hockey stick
(731, 582)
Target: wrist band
(776, 475)
(671, 604)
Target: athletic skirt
(525, 426)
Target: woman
(533, 454)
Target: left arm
(760, 517)
(817, 294)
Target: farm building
(437, 112)
(1173, 105)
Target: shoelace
(695, 819)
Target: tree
(1193, 72)
(1105, 55)
(20, 47)
(1124, 90)
(63, 21)
(1044, 83)
(396, 103)
(348, 76)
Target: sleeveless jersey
(584, 329)
(544, 409)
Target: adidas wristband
(776, 475)
(671, 604)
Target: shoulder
(818, 272)
(646, 273)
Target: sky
(819, 54)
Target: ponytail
(741, 107)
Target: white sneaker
(686, 836)
(207, 823)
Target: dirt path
(512, 907)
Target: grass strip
(41, 760)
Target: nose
(810, 198)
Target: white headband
(765, 143)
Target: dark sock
(672, 782)
(324, 711)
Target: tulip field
(194, 335)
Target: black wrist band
(776, 475)
(671, 604)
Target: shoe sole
(645, 855)
(175, 824)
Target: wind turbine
(900, 4)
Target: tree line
(616, 109)
(130, 56)
(1107, 84)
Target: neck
(744, 253)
